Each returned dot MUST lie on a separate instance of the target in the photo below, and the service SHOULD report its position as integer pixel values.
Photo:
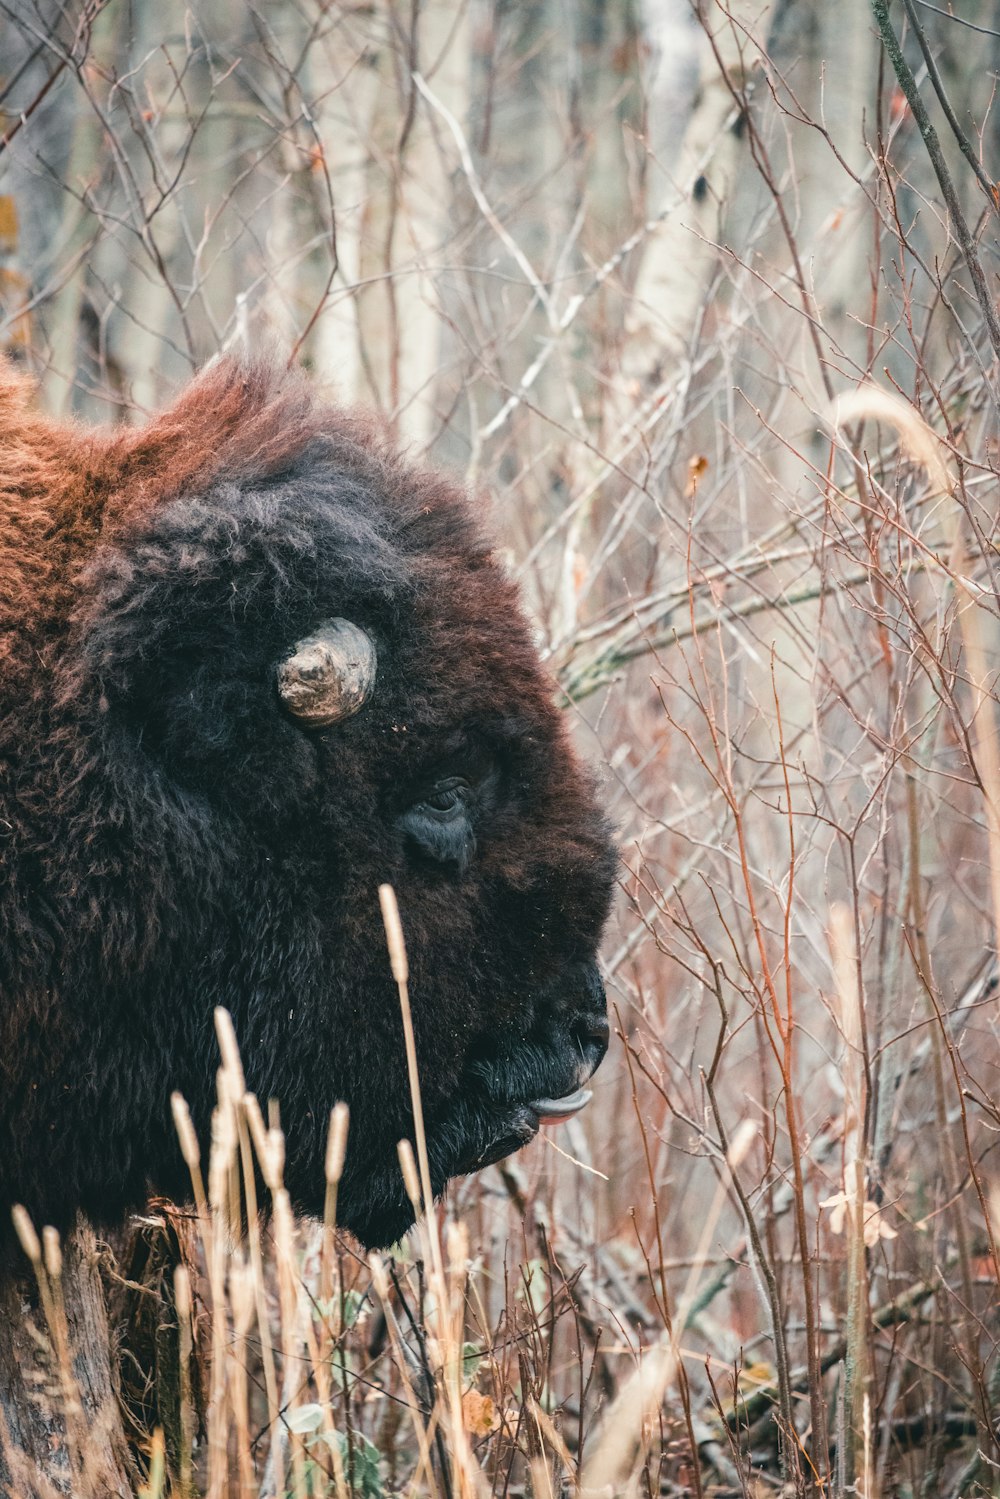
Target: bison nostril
(593, 1029)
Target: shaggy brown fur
(173, 840)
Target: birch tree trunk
(691, 186)
(397, 207)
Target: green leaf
(361, 1464)
(305, 1419)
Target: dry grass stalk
(447, 1291)
(857, 1360)
(922, 445)
(620, 1443)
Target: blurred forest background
(615, 261)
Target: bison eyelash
(447, 799)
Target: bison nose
(593, 1031)
(589, 1026)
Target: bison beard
(176, 835)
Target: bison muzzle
(255, 663)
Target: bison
(255, 663)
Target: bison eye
(439, 826)
(447, 800)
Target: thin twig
(964, 144)
(907, 83)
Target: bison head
(257, 664)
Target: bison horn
(329, 675)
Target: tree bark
(61, 1428)
(690, 191)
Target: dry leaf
(8, 223)
(14, 299)
(697, 468)
(842, 1206)
(754, 1375)
(479, 1413)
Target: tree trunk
(690, 191)
(61, 1429)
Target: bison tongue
(555, 1110)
